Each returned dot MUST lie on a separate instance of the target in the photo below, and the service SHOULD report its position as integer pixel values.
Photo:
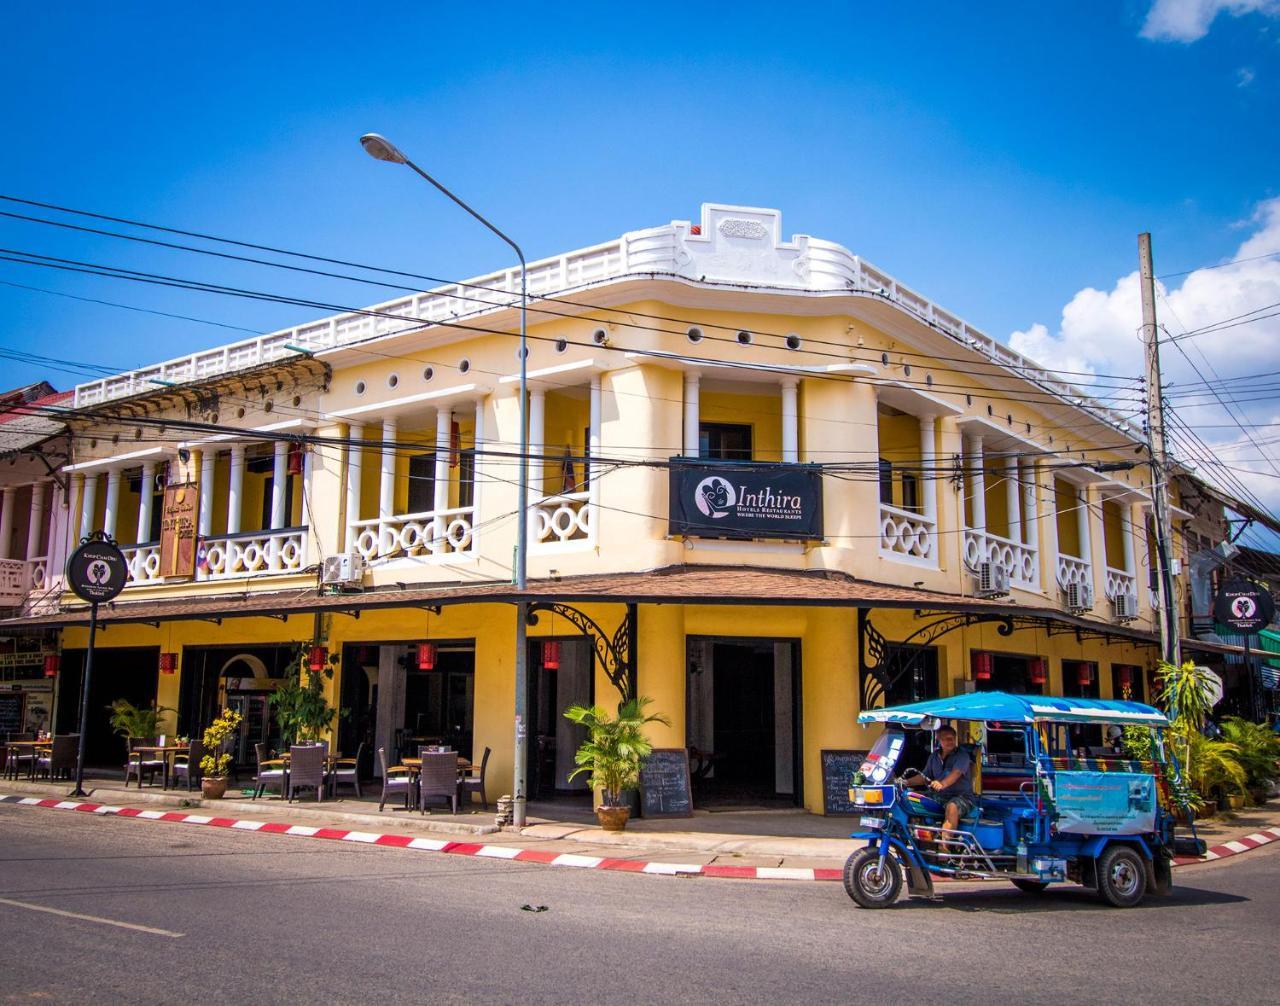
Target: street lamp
(382, 149)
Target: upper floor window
(422, 483)
(724, 441)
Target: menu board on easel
(178, 530)
(13, 708)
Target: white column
(1031, 513)
(593, 451)
(978, 484)
(692, 415)
(1013, 497)
(6, 520)
(387, 486)
(444, 424)
(80, 488)
(355, 459)
(537, 434)
(36, 522)
(146, 499)
(308, 458)
(1082, 524)
(112, 510)
(929, 475)
(208, 459)
(478, 464)
(1126, 525)
(790, 422)
(235, 489)
(279, 482)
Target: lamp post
(382, 149)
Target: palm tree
(615, 747)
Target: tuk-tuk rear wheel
(870, 884)
(1122, 876)
(1031, 886)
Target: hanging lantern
(295, 459)
(168, 663)
(317, 657)
(427, 656)
(982, 663)
(51, 661)
(551, 655)
(1039, 670)
(1084, 674)
(1124, 676)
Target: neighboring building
(948, 515)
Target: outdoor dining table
(415, 765)
(165, 752)
(37, 748)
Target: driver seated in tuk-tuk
(948, 776)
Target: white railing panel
(1120, 582)
(1017, 558)
(144, 563)
(1073, 570)
(13, 581)
(563, 518)
(255, 553)
(38, 573)
(907, 535)
(447, 534)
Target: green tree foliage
(132, 721)
(614, 747)
(301, 709)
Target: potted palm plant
(136, 722)
(217, 762)
(612, 753)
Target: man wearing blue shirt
(947, 775)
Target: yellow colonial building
(770, 486)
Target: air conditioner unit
(1080, 596)
(993, 580)
(1126, 606)
(346, 570)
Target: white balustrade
(38, 572)
(1017, 558)
(1073, 570)
(257, 552)
(143, 562)
(13, 581)
(1120, 582)
(562, 518)
(907, 536)
(446, 534)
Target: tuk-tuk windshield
(877, 768)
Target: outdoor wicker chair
(187, 766)
(306, 769)
(346, 772)
(396, 779)
(438, 779)
(271, 774)
(60, 761)
(141, 765)
(475, 784)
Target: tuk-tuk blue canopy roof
(1001, 707)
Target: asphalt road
(243, 918)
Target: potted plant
(135, 722)
(1259, 753)
(216, 763)
(612, 753)
(301, 709)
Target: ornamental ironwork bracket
(615, 652)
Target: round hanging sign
(97, 571)
(1243, 606)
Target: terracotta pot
(613, 818)
(1258, 794)
(1207, 809)
(213, 787)
(1235, 801)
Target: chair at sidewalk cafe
(20, 758)
(59, 761)
(475, 784)
(396, 779)
(346, 772)
(271, 774)
(142, 765)
(438, 779)
(307, 769)
(187, 766)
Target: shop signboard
(1243, 607)
(178, 530)
(97, 571)
(745, 500)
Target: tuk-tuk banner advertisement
(710, 500)
(1105, 803)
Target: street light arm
(514, 247)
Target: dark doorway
(912, 677)
(1080, 680)
(439, 704)
(118, 673)
(553, 740)
(236, 677)
(743, 721)
(359, 697)
(1011, 673)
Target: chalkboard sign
(837, 775)
(12, 707)
(664, 784)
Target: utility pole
(1170, 640)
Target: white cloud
(1245, 76)
(1099, 333)
(1189, 20)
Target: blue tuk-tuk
(1054, 803)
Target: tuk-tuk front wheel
(869, 882)
(1122, 876)
(1031, 886)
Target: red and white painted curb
(484, 850)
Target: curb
(1224, 851)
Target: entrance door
(553, 740)
(118, 673)
(743, 722)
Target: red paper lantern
(427, 656)
(1124, 676)
(295, 459)
(317, 657)
(551, 655)
(982, 663)
(1039, 670)
(168, 663)
(1084, 674)
(51, 661)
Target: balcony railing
(1017, 558)
(13, 581)
(249, 553)
(446, 534)
(563, 518)
(907, 536)
(1120, 582)
(1073, 570)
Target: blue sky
(997, 157)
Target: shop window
(724, 441)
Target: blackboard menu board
(837, 776)
(664, 784)
(12, 705)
